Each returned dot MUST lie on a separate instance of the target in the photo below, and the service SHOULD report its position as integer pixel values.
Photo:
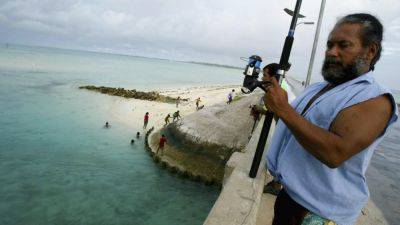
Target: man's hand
(275, 99)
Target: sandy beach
(131, 111)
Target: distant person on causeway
(325, 138)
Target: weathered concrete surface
(266, 211)
(201, 143)
(240, 198)
(223, 124)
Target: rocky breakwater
(201, 143)
(121, 92)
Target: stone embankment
(121, 92)
(200, 144)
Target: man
(325, 139)
(178, 100)
(146, 120)
(176, 116)
(161, 144)
(197, 103)
(230, 96)
(166, 119)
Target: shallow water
(58, 165)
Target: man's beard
(336, 73)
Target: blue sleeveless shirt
(337, 194)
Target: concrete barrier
(240, 198)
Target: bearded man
(325, 139)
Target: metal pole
(314, 48)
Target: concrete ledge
(242, 201)
(173, 166)
(240, 198)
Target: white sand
(131, 111)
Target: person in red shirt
(161, 144)
(146, 120)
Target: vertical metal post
(314, 48)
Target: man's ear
(372, 51)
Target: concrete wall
(240, 198)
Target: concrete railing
(240, 199)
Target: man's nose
(333, 51)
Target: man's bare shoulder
(362, 123)
(380, 106)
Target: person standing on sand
(167, 119)
(197, 103)
(230, 96)
(146, 120)
(322, 144)
(161, 144)
(178, 100)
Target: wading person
(325, 139)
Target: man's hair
(372, 31)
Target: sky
(193, 30)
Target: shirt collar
(366, 77)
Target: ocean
(58, 165)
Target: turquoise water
(58, 165)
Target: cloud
(214, 29)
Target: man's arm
(353, 129)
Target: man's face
(345, 57)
